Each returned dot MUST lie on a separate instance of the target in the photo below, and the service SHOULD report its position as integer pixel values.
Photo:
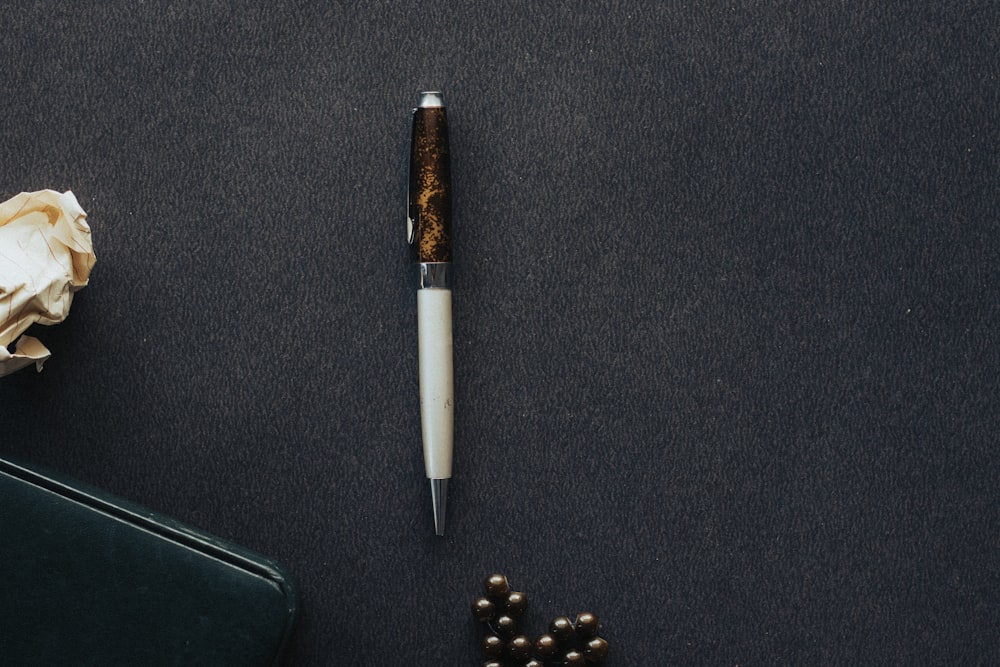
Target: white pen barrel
(437, 393)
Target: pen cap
(431, 98)
(430, 182)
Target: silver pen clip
(411, 225)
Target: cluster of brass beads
(567, 643)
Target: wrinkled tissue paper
(46, 255)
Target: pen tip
(439, 498)
(431, 98)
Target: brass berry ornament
(566, 643)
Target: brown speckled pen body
(430, 182)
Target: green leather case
(91, 580)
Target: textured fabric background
(725, 316)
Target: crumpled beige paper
(46, 255)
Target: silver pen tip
(431, 98)
(439, 498)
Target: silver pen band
(435, 275)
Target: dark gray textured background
(725, 314)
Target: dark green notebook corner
(91, 580)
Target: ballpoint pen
(429, 234)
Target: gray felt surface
(725, 315)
